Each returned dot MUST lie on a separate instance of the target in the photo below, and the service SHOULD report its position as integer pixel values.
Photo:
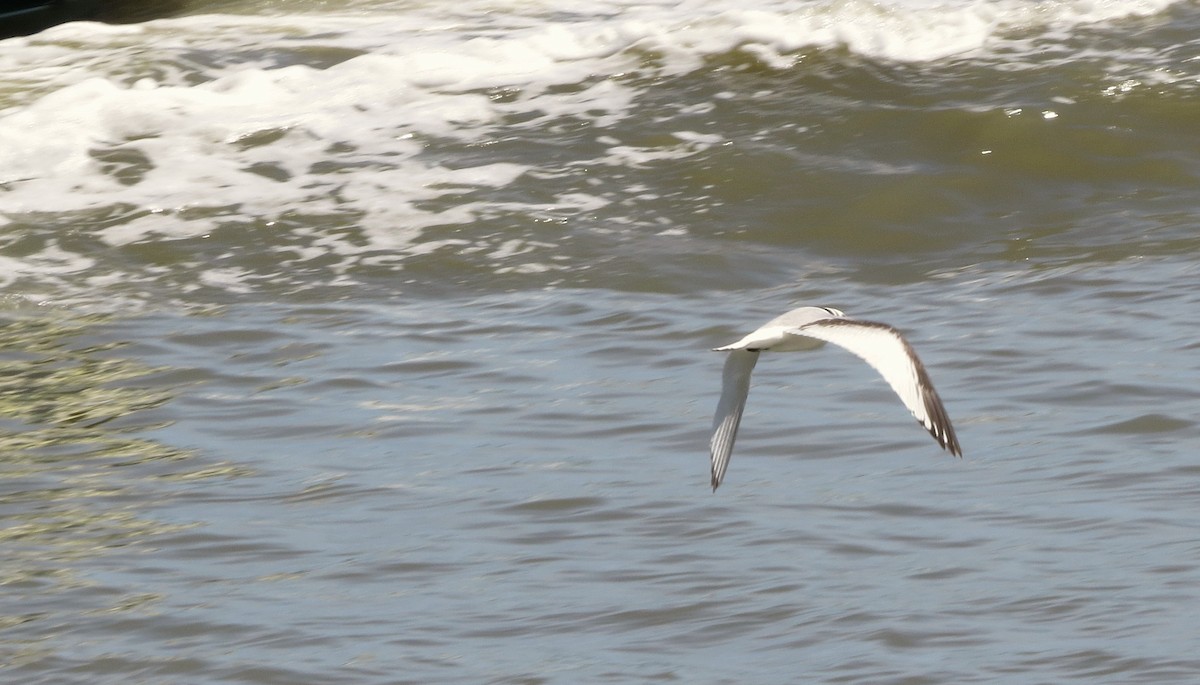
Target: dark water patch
(1147, 423)
(942, 574)
(430, 367)
(908, 639)
(570, 505)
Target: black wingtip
(947, 440)
(951, 445)
(939, 425)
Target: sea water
(369, 342)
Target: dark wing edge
(939, 421)
(936, 420)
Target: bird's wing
(889, 353)
(735, 385)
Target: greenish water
(370, 343)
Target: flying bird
(808, 328)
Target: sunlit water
(368, 342)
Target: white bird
(808, 328)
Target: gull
(808, 328)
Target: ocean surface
(368, 341)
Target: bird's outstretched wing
(889, 353)
(735, 385)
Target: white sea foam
(98, 117)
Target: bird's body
(808, 328)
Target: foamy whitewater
(181, 125)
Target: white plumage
(807, 328)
